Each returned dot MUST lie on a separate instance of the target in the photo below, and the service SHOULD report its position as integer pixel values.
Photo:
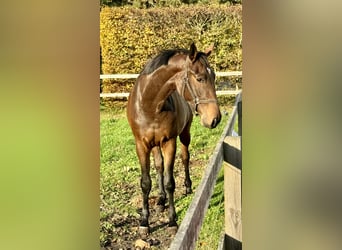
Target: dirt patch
(125, 232)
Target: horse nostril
(214, 123)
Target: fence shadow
(231, 243)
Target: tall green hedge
(130, 36)
(162, 3)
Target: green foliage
(209, 234)
(130, 36)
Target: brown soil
(126, 226)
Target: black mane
(161, 59)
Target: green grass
(120, 176)
(213, 223)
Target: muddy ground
(125, 233)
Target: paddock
(227, 154)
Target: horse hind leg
(159, 164)
(145, 183)
(185, 155)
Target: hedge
(130, 36)
(163, 3)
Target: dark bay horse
(171, 87)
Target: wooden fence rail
(125, 95)
(189, 229)
(133, 76)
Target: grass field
(120, 177)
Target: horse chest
(165, 129)
(158, 131)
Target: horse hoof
(188, 191)
(144, 231)
(172, 230)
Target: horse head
(199, 87)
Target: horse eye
(200, 79)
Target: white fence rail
(133, 76)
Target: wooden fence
(228, 149)
(133, 76)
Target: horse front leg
(145, 183)
(169, 150)
(158, 162)
(185, 141)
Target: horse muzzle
(211, 122)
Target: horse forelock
(203, 60)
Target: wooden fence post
(232, 192)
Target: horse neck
(159, 85)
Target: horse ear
(209, 49)
(193, 52)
